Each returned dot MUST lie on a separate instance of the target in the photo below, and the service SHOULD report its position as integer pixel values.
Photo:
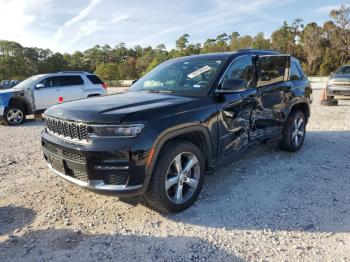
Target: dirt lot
(268, 205)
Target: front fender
(166, 136)
(4, 101)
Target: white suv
(37, 93)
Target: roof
(228, 55)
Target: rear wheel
(14, 116)
(178, 177)
(294, 132)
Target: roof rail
(256, 49)
(73, 72)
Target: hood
(7, 91)
(114, 108)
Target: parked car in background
(13, 83)
(39, 92)
(4, 84)
(339, 82)
(187, 116)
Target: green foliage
(108, 71)
(320, 49)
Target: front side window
(70, 80)
(294, 72)
(50, 82)
(191, 77)
(241, 69)
(272, 69)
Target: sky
(70, 25)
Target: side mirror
(38, 86)
(232, 85)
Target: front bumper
(335, 90)
(101, 167)
(2, 111)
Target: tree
(108, 72)
(182, 42)
(259, 42)
(341, 19)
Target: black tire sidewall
(170, 152)
(10, 108)
(332, 102)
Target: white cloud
(66, 25)
(328, 8)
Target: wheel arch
(198, 134)
(303, 107)
(21, 102)
(93, 95)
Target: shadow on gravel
(68, 245)
(12, 218)
(269, 189)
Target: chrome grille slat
(67, 129)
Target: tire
(14, 116)
(332, 102)
(165, 181)
(294, 128)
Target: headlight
(330, 82)
(131, 130)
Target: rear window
(94, 79)
(70, 80)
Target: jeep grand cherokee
(184, 118)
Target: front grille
(77, 175)
(49, 147)
(67, 129)
(115, 179)
(73, 156)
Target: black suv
(183, 119)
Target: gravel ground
(269, 205)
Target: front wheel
(294, 132)
(14, 116)
(178, 177)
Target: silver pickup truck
(39, 92)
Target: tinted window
(242, 69)
(272, 69)
(70, 80)
(50, 81)
(94, 79)
(343, 70)
(294, 72)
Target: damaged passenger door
(273, 92)
(237, 96)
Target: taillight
(104, 85)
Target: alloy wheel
(15, 116)
(182, 178)
(298, 131)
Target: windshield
(191, 77)
(29, 82)
(343, 70)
